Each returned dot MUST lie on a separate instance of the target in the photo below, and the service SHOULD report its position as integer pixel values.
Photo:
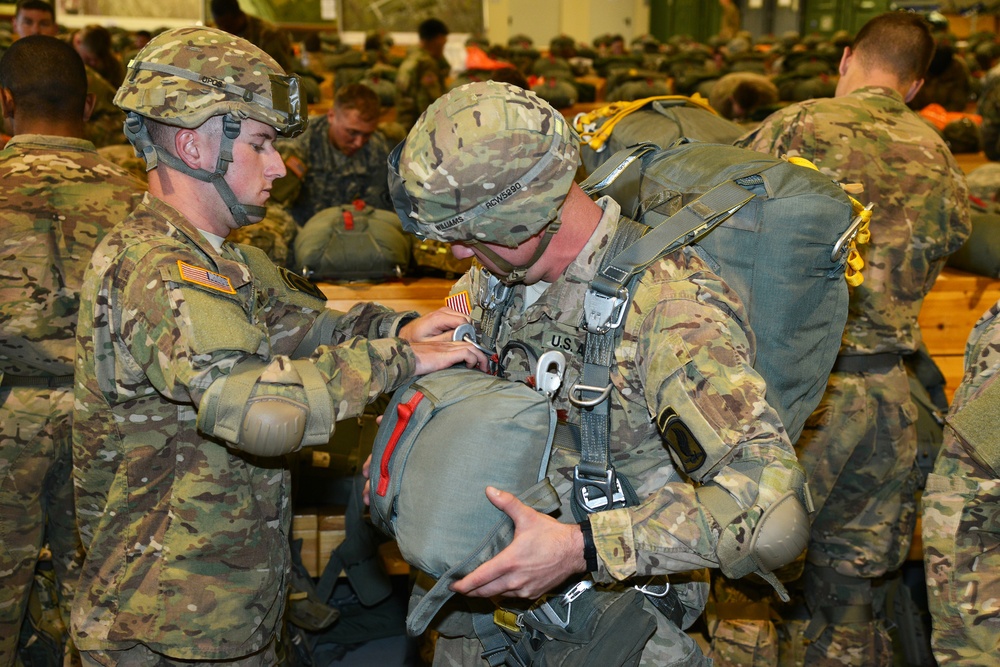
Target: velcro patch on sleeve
(689, 452)
(205, 278)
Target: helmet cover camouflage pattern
(486, 162)
(185, 76)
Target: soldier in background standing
(339, 157)
(859, 446)
(60, 198)
(229, 16)
(422, 76)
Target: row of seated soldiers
(743, 78)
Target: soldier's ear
(88, 106)
(187, 145)
(6, 103)
(913, 90)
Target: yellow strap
(616, 111)
(852, 270)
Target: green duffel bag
(558, 92)
(275, 235)
(352, 242)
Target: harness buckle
(603, 313)
(607, 492)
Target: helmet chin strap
(516, 274)
(138, 134)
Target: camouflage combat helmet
(486, 163)
(186, 76)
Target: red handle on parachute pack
(403, 413)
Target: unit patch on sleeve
(296, 282)
(689, 452)
(205, 278)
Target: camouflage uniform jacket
(59, 200)
(186, 537)
(921, 210)
(331, 178)
(419, 81)
(686, 347)
(104, 127)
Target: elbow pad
(268, 424)
(761, 539)
(273, 426)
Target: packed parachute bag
(352, 242)
(980, 254)
(558, 91)
(658, 120)
(275, 235)
(779, 232)
(381, 78)
(628, 84)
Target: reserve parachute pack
(352, 242)
(659, 120)
(780, 234)
(443, 439)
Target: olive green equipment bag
(658, 120)
(980, 254)
(352, 242)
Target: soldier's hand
(543, 553)
(436, 355)
(437, 325)
(366, 469)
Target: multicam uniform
(329, 177)
(187, 537)
(419, 81)
(961, 521)
(60, 198)
(859, 446)
(685, 347)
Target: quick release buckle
(594, 494)
(548, 611)
(603, 313)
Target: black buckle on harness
(594, 494)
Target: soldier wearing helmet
(490, 168)
(200, 362)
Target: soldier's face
(348, 131)
(34, 22)
(256, 163)
(435, 46)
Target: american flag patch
(204, 277)
(460, 302)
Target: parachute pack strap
(612, 170)
(975, 423)
(855, 614)
(499, 648)
(356, 556)
(683, 227)
(594, 473)
(223, 416)
(319, 426)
